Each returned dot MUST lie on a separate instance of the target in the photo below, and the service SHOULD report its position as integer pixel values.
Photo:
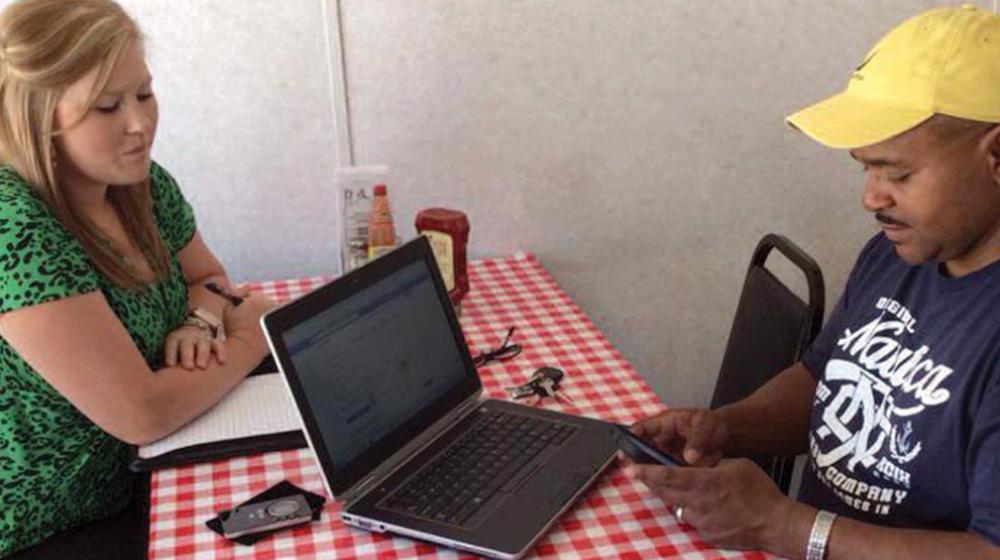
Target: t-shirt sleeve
(984, 461)
(174, 215)
(818, 353)
(40, 260)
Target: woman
(100, 265)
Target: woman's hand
(189, 347)
(243, 320)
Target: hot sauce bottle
(448, 232)
(381, 233)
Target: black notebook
(256, 417)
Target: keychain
(543, 383)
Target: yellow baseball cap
(945, 60)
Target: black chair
(772, 328)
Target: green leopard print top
(58, 470)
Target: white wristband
(215, 326)
(816, 547)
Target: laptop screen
(370, 363)
(373, 359)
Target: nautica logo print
(867, 400)
(901, 447)
(901, 367)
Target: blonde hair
(45, 46)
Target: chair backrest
(772, 328)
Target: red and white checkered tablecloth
(617, 518)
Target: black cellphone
(273, 514)
(641, 451)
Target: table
(617, 518)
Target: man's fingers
(673, 484)
(662, 429)
(701, 435)
(646, 427)
(638, 428)
(661, 475)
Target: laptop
(392, 407)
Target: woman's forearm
(175, 396)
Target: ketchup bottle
(448, 232)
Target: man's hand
(732, 505)
(698, 435)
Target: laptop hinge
(410, 450)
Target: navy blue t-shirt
(906, 416)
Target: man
(898, 400)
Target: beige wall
(635, 146)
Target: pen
(218, 290)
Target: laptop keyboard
(487, 459)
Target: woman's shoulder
(20, 204)
(160, 180)
(158, 175)
(39, 259)
(14, 189)
(162, 186)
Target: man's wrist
(789, 530)
(819, 535)
(731, 447)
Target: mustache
(889, 220)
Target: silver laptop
(391, 405)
